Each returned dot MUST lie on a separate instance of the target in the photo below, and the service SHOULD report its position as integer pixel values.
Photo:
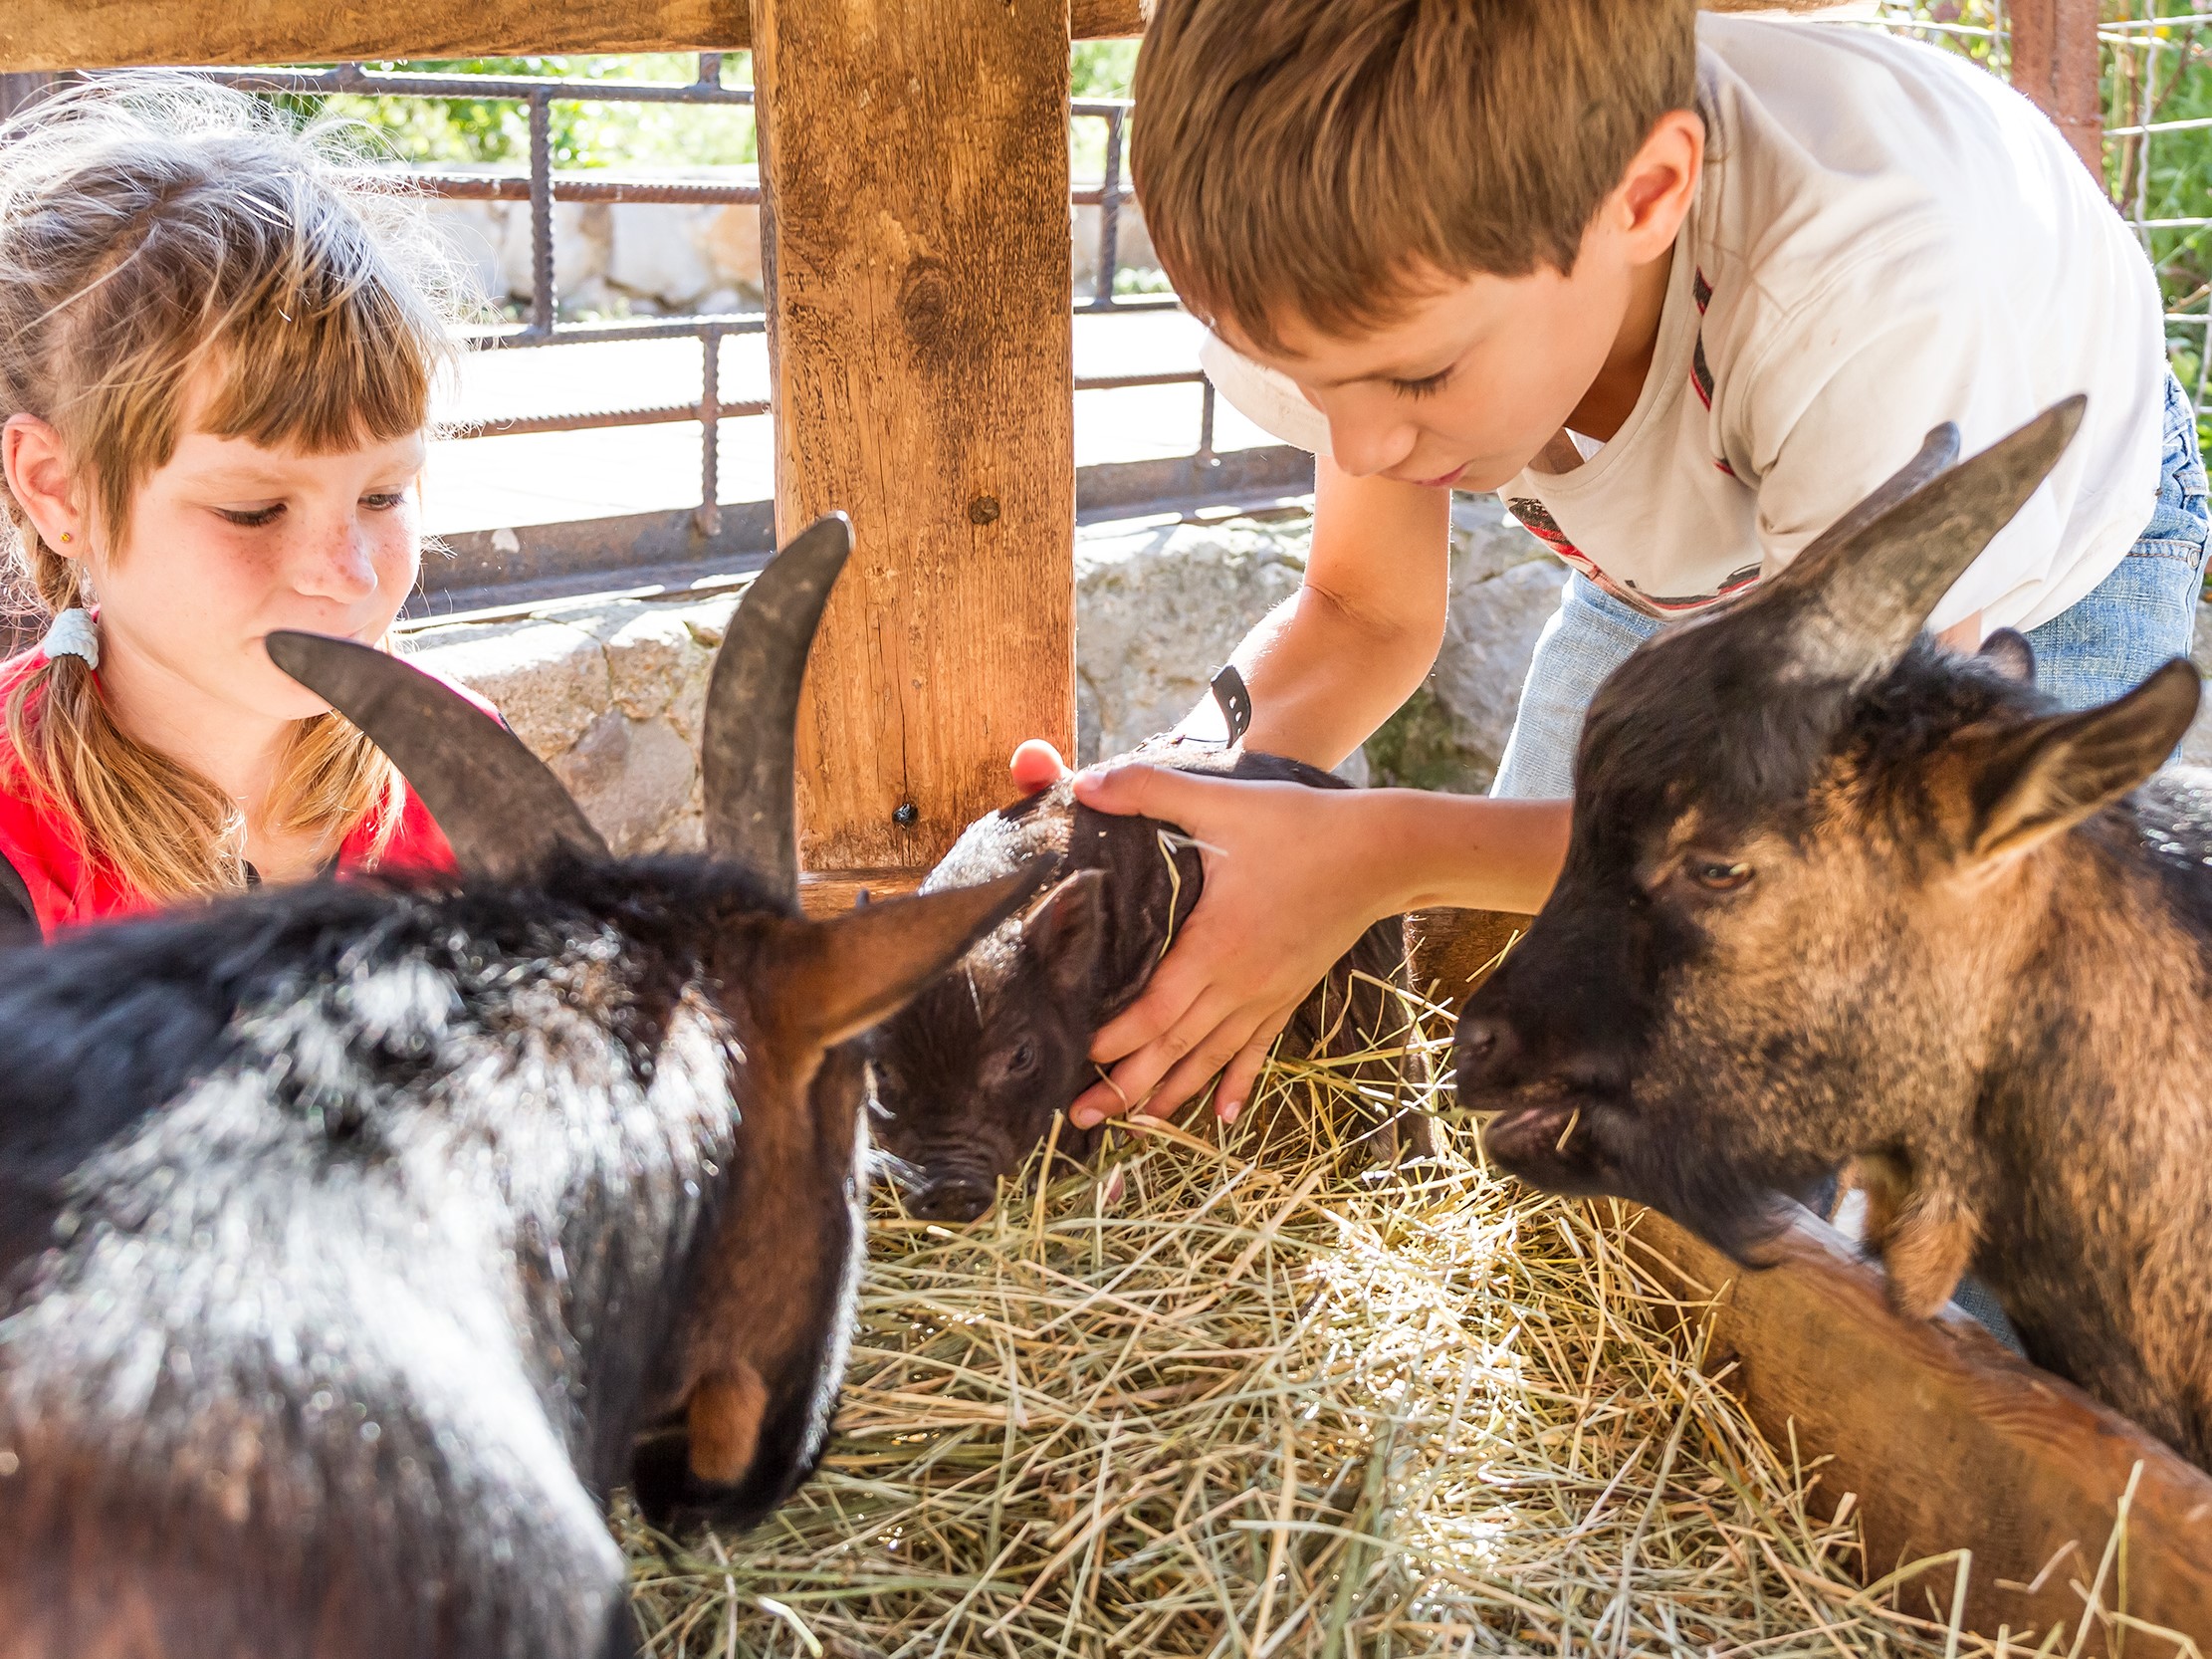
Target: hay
(1198, 1403)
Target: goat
(970, 1074)
(357, 1239)
(1835, 895)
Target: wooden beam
(914, 179)
(106, 34)
(2054, 63)
(102, 34)
(1949, 1440)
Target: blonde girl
(217, 346)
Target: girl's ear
(38, 474)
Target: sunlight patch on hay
(1235, 1394)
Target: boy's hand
(1281, 904)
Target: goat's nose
(956, 1201)
(1486, 1044)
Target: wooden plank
(915, 169)
(100, 34)
(107, 34)
(829, 893)
(2054, 62)
(1950, 1441)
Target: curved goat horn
(504, 811)
(1852, 603)
(746, 755)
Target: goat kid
(357, 1239)
(1835, 895)
(972, 1073)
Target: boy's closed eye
(1422, 387)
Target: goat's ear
(2044, 778)
(830, 980)
(2011, 655)
(1067, 930)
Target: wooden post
(2054, 63)
(914, 172)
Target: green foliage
(1101, 68)
(496, 130)
(1097, 68)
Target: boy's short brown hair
(1309, 157)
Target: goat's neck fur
(2081, 1169)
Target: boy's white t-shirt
(1886, 238)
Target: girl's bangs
(324, 364)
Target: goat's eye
(1716, 876)
(1021, 1059)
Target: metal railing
(562, 556)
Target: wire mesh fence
(2155, 85)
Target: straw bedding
(1243, 1400)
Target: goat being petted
(357, 1239)
(973, 1072)
(1835, 895)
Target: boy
(1683, 291)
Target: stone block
(651, 655)
(474, 234)
(1159, 609)
(632, 778)
(1132, 242)
(548, 678)
(656, 250)
(732, 246)
(581, 231)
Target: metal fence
(2155, 80)
(538, 560)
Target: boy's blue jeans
(2145, 614)
(2139, 616)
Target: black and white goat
(358, 1238)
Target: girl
(216, 355)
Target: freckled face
(230, 539)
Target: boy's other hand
(1035, 766)
(1282, 901)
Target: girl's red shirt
(66, 888)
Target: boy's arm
(1333, 661)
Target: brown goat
(1835, 895)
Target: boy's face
(1478, 374)
(1470, 383)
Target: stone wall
(611, 692)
